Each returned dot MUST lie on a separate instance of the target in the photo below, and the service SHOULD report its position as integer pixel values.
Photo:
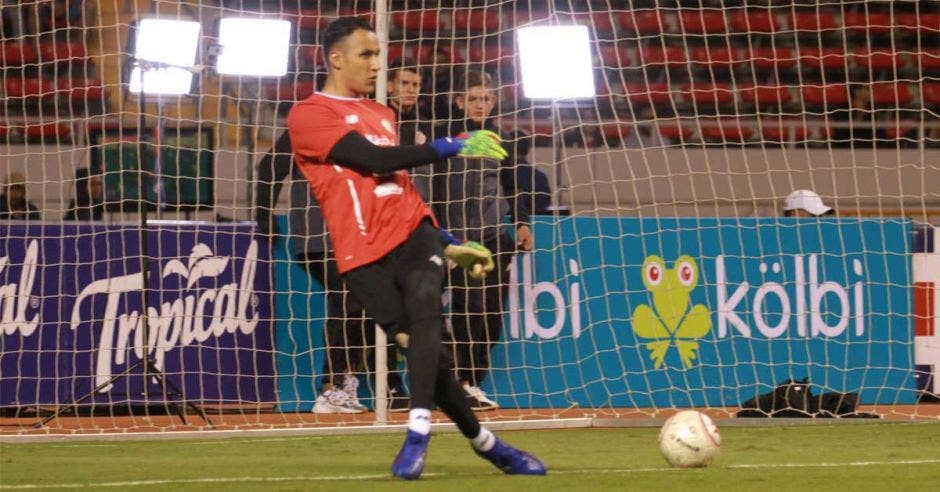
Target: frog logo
(672, 319)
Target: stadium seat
(615, 133)
(289, 90)
(18, 53)
(643, 21)
(877, 59)
(872, 23)
(669, 56)
(930, 93)
(417, 20)
(311, 19)
(765, 95)
(729, 132)
(395, 50)
(488, 54)
(771, 58)
(433, 54)
(4, 131)
(924, 23)
(654, 93)
(904, 129)
(702, 21)
(891, 94)
(822, 59)
(61, 51)
(613, 56)
(47, 130)
(754, 21)
(310, 54)
(31, 87)
(832, 95)
(476, 20)
(929, 59)
(722, 57)
(81, 90)
(777, 132)
(704, 93)
(675, 133)
(812, 21)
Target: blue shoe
(410, 460)
(513, 461)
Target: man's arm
(272, 170)
(357, 152)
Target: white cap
(806, 200)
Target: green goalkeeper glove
(473, 257)
(481, 143)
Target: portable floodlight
(166, 51)
(555, 62)
(253, 47)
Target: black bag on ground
(794, 399)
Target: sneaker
(410, 460)
(351, 388)
(398, 400)
(335, 401)
(513, 461)
(478, 400)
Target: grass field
(879, 456)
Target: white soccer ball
(689, 439)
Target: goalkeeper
(387, 244)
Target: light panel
(161, 42)
(555, 62)
(253, 47)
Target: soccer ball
(689, 439)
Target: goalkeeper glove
(481, 143)
(472, 256)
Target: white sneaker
(335, 401)
(351, 388)
(478, 399)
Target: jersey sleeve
(314, 129)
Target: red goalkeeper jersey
(367, 215)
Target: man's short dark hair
(475, 78)
(339, 29)
(401, 64)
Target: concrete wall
(653, 182)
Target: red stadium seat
(812, 21)
(616, 132)
(929, 59)
(18, 53)
(476, 20)
(435, 54)
(311, 19)
(4, 131)
(877, 59)
(765, 94)
(522, 15)
(292, 91)
(904, 129)
(872, 23)
(826, 58)
(395, 50)
(489, 54)
(311, 54)
(831, 95)
(771, 58)
(31, 87)
(659, 55)
(61, 51)
(615, 56)
(723, 56)
(891, 94)
(777, 132)
(655, 93)
(700, 93)
(643, 21)
(727, 133)
(47, 130)
(81, 90)
(675, 133)
(930, 93)
(418, 20)
(923, 24)
(754, 21)
(702, 21)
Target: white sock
(419, 420)
(484, 441)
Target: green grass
(880, 456)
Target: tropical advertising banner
(71, 313)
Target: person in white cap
(805, 203)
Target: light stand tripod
(146, 365)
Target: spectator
(87, 204)
(805, 203)
(13, 202)
(534, 188)
(345, 327)
(404, 83)
(470, 196)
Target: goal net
(749, 200)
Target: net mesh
(664, 273)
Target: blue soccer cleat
(513, 461)
(410, 460)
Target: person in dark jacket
(471, 197)
(87, 204)
(13, 202)
(347, 330)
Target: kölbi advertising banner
(690, 312)
(70, 312)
